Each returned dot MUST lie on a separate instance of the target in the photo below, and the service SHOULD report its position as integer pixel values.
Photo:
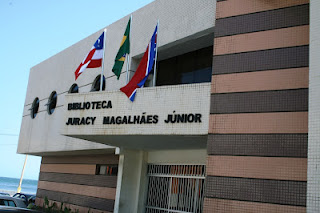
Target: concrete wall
(180, 21)
(313, 197)
(192, 99)
(41, 136)
(161, 101)
(192, 156)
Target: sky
(32, 31)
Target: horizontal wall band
(257, 190)
(74, 208)
(271, 39)
(235, 8)
(262, 101)
(92, 191)
(280, 122)
(87, 169)
(234, 206)
(278, 168)
(284, 58)
(273, 145)
(90, 180)
(87, 159)
(269, 20)
(259, 81)
(79, 200)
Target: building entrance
(175, 188)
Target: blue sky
(32, 31)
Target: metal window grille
(175, 188)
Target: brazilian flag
(124, 49)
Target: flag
(144, 68)
(123, 50)
(94, 57)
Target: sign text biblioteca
(143, 118)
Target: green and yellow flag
(124, 49)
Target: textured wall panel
(74, 208)
(280, 122)
(92, 191)
(279, 168)
(258, 190)
(88, 159)
(273, 145)
(258, 128)
(90, 180)
(271, 39)
(265, 101)
(284, 58)
(227, 8)
(69, 168)
(274, 19)
(80, 200)
(263, 80)
(233, 206)
(72, 180)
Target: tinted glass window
(74, 89)
(192, 67)
(52, 102)
(96, 84)
(34, 108)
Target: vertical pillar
(313, 191)
(131, 181)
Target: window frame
(51, 108)
(34, 113)
(71, 90)
(96, 81)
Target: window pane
(74, 89)
(52, 102)
(202, 75)
(192, 67)
(107, 170)
(166, 71)
(96, 84)
(114, 170)
(35, 108)
(102, 170)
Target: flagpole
(127, 69)
(156, 57)
(104, 47)
(129, 55)
(20, 182)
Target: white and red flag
(94, 57)
(144, 68)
